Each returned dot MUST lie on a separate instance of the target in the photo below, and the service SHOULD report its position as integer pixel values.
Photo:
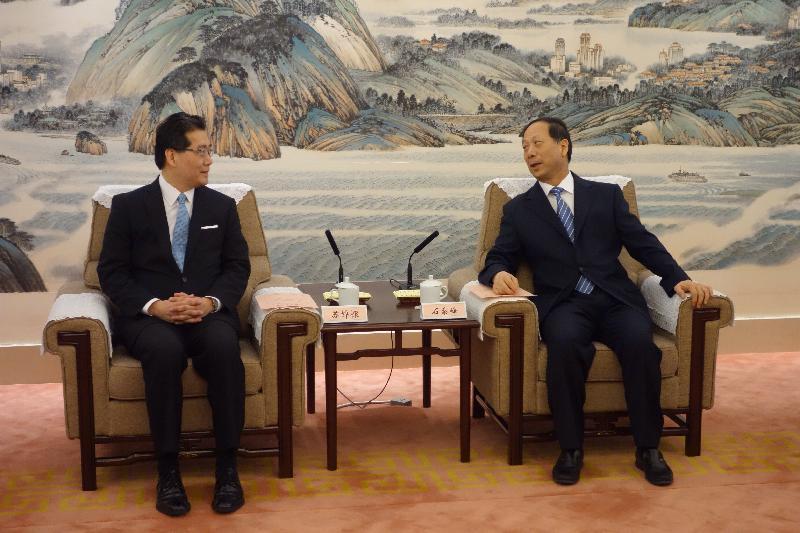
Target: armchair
(104, 387)
(509, 360)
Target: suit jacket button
(184, 279)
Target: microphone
(417, 250)
(426, 242)
(335, 249)
(329, 235)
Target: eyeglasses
(202, 151)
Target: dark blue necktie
(568, 220)
(180, 234)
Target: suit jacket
(531, 231)
(136, 262)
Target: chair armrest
(485, 310)
(677, 317)
(258, 317)
(459, 278)
(78, 311)
(81, 309)
(504, 357)
(666, 311)
(266, 330)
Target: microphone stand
(409, 276)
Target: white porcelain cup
(431, 291)
(348, 292)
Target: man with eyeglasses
(175, 265)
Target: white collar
(170, 193)
(568, 184)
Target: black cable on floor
(362, 405)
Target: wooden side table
(387, 314)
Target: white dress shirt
(568, 184)
(170, 195)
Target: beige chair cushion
(605, 366)
(253, 231)
(126, 381)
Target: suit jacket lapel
(583, 204)
(542, 209)
(194, 223)
(158, 215)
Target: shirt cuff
(217, 304)
(146, 308)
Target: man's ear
(169, 157)
(564, 148)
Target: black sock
(167, 462)
(226, 459)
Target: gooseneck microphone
(417, 250)
(426, 242)
(335, 249)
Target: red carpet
(399, 469)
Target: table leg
(426, 368)
(465, 365)
(310, 384)
(329, 345)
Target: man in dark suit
(175, 265)
(570, 231)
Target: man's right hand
(504, 283)
(175, 311)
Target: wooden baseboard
(25, 364)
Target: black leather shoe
(228, 493)
(567, 470)
(171, 497)
(656, 470)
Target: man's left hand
(699, 293)
(198, 306)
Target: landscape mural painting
(381, 120)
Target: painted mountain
(154, 37)
(17, 272)
(256, 71)
(714, 15)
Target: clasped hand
(182, 308)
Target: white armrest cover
(257, 315)
(92, 305)
(663, 309)
(476, 306)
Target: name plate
(443, 311)
(332, 314)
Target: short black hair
(171, 133)
(557, 129)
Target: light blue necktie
(180, 234)
(566, 217)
